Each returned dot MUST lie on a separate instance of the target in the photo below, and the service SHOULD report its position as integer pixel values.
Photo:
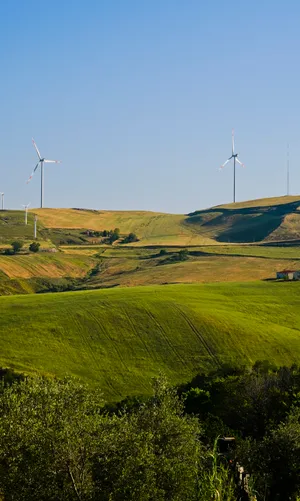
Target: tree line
(17, 246)
(111, 236)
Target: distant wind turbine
(2, 200)
(26, 210)
(41, 162)
(288, 170)
(235, 159)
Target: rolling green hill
(273, 219)
(120, 338)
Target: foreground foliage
(56, 443)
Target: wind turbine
(26, 209)
(235, 159)
(41, 162)
(288, 170)
(2, 200)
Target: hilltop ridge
(260, 220)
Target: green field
(120, 338)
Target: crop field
(139, 266)
(225, 243)
(120, 338)
(128, 272)
(126, 266)
(45, 265)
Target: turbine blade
(223, 165)
(233, 141)
(31, 175)
(239, 162)
(52, 161)
(36, 149)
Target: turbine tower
(41, 162)
(288, 170)
(2, 200)
(235, 159)
(26, 210)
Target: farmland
(120, 338)
(241, 242)
(207, 296)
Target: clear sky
(138, 99)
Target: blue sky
(138, 99)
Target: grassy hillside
(122, 337)
(98, 266)
(12, 226)
(152, 228)
(45, 265)
(256, 221)
(217, 239)
(126, 267)
(253, 221)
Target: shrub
(17, 246)
(130, 238)
(183, 255)
(162, 252)
(34, 246)
(8, 252)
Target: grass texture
(121, 338)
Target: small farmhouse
(288, 275)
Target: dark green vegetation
(34, 246)
(122, 337)
(56, 443)
(59, 441)
(261, 408)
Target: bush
(8, 252)
(183, 255)
(130, 238)
(162, 252)
(34, 247)
(17, 246)
(114, 235)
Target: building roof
(289, 271)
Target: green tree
(34, 247)
(17, 246)
(183, 255)
(47, 439)
(152, 453)
(114, 235)
(275, 461)
(131, 237)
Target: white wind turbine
(235, 159)
(26, 210)
(41, 162)
(2, 200)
